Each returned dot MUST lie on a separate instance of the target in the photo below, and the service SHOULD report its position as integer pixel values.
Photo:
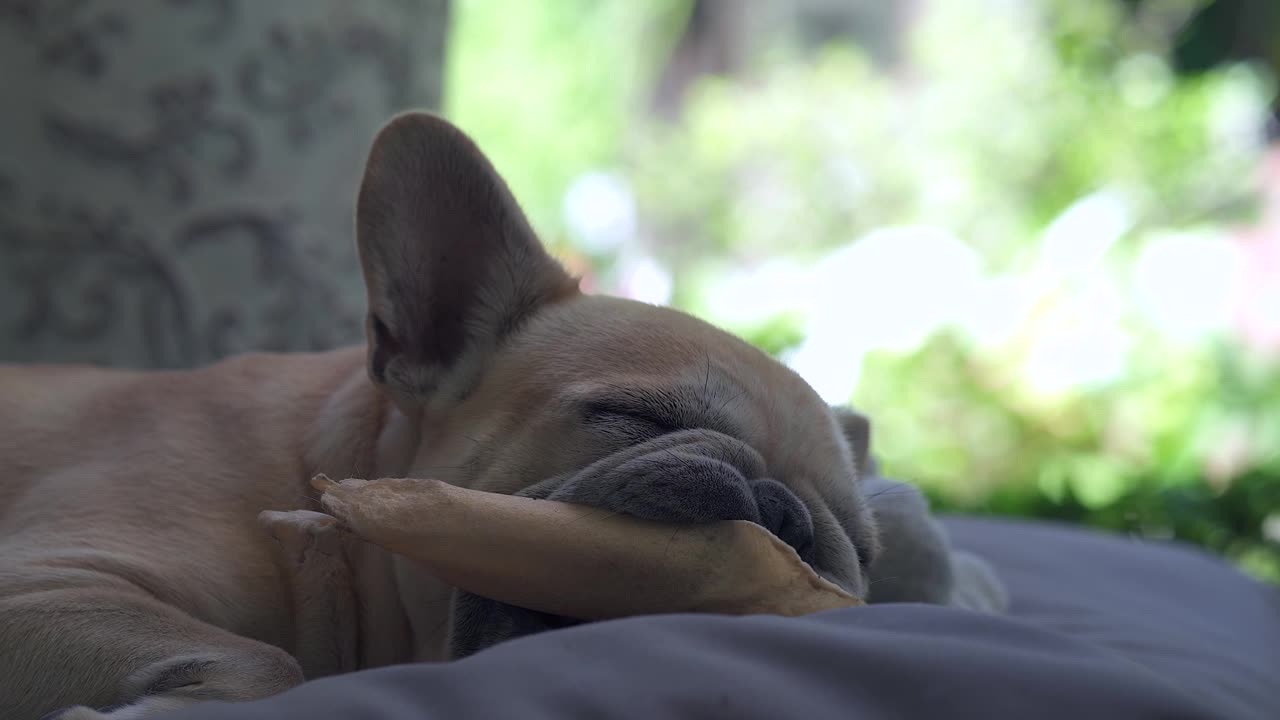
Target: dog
(134, 578)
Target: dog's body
(133, 572)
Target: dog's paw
(144, 708)
(79, 712)
(689, 477)
(301, 532)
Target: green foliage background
(1009, 120)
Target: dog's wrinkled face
(521, 384)
(676, 421)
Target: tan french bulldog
(134, 577)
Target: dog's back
(140, 432)
(37, 404)
(157, 484)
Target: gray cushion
(1099, 627)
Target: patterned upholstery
(177, 177)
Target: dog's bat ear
(857, 432)
(450, 262)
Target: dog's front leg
(118, 649)
(312, 555)
(144, 708)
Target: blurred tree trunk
(1228, 30)
(720, 35)
(712, 43)
(177, 177)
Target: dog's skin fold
(134, 577)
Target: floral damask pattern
(178, 176)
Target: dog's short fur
(133, 575)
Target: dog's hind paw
(79, 712)
(144, 708)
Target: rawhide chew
(577, 561)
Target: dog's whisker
(891, 491)
(706, 384)
(732, 399)
(670, 540)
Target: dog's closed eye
(622, 424)
(613, 411)
(657, 410)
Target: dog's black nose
(784, 515)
